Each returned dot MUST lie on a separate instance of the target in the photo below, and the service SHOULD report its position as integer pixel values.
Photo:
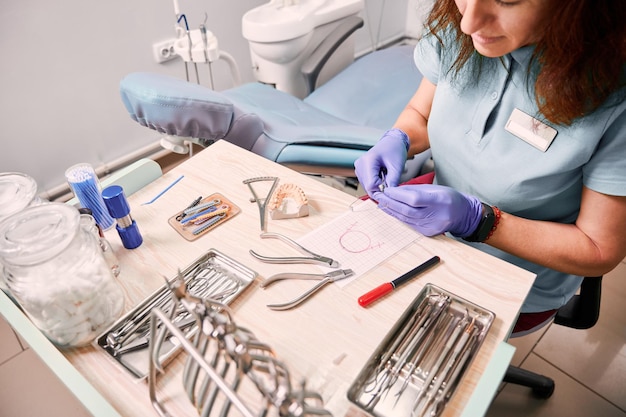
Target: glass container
(17, 191)
(89, 223)
(56, 271)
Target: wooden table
(329, 338)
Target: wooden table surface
(329, 338)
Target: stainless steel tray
(418, 365)
(212, 275)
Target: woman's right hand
(388, 156)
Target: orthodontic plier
(313, 259)
(323, 278)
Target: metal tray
(418, 365)
(213, 275)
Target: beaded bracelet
(498, 213)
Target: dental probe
(205, 43)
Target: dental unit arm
(315, 108)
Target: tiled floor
(589, 367)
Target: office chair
(324, 133)
(581, 312)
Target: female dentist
(522, 105)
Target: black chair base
(542, 386)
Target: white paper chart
(360, 239)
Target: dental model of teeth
(287, 202)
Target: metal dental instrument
(209, 223)
(182, 17)
(313, 259)
(449, 381)
(195, 64)
(431, 346)
(207, 281)
(390, 356)
(375, 385)
(261, 202)
(418, 366)
(117, 338)
(458, 350)
(432, 372)
(191, 205)
(190, 211)
(423, 331)
(323, 278)
(388, 376)
(343, 273)
(205, 44)
(143, 341)
(223, 356)
(383, 179)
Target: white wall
(417, 10)
(62, 62)
(384, 23)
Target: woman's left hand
(432, 209)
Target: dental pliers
(323, 278)
(313, 259)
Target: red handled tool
(381, 290)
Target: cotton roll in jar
(56, 271)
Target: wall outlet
(164, 51)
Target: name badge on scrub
(530, 130)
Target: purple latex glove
(432, 209)
(388, 156)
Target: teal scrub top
(474, 154)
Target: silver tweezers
(323, 278)
(313, 259)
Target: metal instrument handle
(301, 298)
(287, 259)
(290, 275)
(330, 277)
(315, 257)
(333, 276)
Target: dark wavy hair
(581, 53)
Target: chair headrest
(175, 107)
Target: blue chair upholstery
(324, 133)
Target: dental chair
(322, 134)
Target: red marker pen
(376, 293)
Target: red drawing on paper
(357, 241)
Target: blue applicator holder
(119, 209)
(84, 183)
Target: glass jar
(88, 223)
(55, 270)
(17, 191)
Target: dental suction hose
(118, 207)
